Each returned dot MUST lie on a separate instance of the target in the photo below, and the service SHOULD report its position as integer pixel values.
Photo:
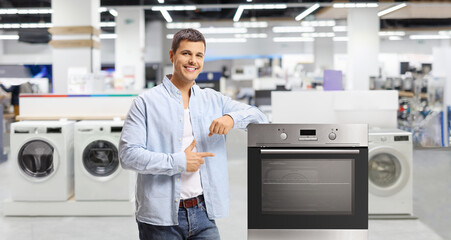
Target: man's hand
(221, 125)
(195, 159)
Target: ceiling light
(355, 5)
(25, 11)
(241, 8)
(392, 9)
(251, 35)
(251, 24)
(9, 37)
(169, 36)
(248, 0)
(307, 12)
(293, 39)
(392, 33)
(214, 30)
(238, 13)
(107, 24)
(108, 36)
(25, 25)
(113, 12)
(428, 37)
(161, 1)
(319, 34)
(319, 23)
(226, 40)
(103, 9)
(166, 15)
(292, 29)
(394, 38)
(339, 28)
(174, 8)
(340, 39)
(182, 25)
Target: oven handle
(308, 151)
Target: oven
(306, 179)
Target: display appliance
(307, 181)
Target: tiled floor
(432, 186)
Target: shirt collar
(171, 88)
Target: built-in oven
(307, 181)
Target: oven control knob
(332, 136)
(283, 136)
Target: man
(174, 137)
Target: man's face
(188, 60)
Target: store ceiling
(418, 14)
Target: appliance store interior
(356, 93)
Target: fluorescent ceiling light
(293, 39)
(226, 40)
(307, 12)
(9, 37)
(241, 8)
(428, 37)
(248, 0)
(174, 8)
(25, 11)
(319, 23)
(340, 39)
(339, 28)
(25, 25)
(169, 36)
(166, 15)
(102, 9)
(292, 29)
(238, 13)
(251, 24)
(392, 33)
(182, 25)
(394, 38)
(107, 24)
(160, 1)
(392, 9)
(319, 34)
(214, 30)
(113, 12)
(355, 5)
(108, 36)
(251, 35)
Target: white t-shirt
(191, 185)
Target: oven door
(308, 188)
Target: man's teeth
(191, 69)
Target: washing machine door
(100, 158)
(387, 171)
(36, 159)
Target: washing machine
(390, 172)
(42, 160)
(98, 174)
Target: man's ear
(171, 55)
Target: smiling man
(174, 138)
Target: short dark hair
(189, 34)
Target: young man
(174, 137)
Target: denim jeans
(193, 225)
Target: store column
(324, 51)
(75, 40)
(129, 49)
(363, 47)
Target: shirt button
(178, 179)
(181, 119)
(176, 200)
(180, 139)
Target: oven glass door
(308, 188)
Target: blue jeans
(193, 225)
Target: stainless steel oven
(307, 181)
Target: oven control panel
(307, 134)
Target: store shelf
(410, 94)
(20, 118)
(69, 208)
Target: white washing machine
(390, 172)
(98, 173)
(42, 158)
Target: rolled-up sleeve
(133, 151)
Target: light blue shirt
(151, 145)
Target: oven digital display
(401, 138)
(308, 132)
